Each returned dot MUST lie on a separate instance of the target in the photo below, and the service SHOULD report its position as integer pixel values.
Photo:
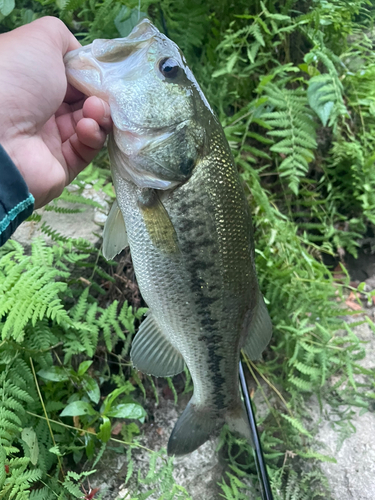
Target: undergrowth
(292, 83)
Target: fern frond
(304, 385)
(72, 5)
(293, 124)
(53, 233)
(80, 308)
(63, 210)
(312, 371)
(296, 424)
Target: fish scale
(188, 225)
(200, 285)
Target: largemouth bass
(187, 221)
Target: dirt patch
(199, 472)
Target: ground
(351, 478)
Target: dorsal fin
(259, 332)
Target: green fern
(70, 5)
(235, 490)
(296, 424)
(36, 285)
(29, 292)
(325, 91)
(161, 474)
(292, 124)
(63, 210)
(185, 22)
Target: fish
(181, 207)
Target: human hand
(50, 131)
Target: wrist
(16, 201)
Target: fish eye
(169, 67)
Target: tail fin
(238, 422)
(196, 425)
(192, 429)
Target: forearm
(16, 203)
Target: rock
(353, 476)
(87, 224)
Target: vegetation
(292, 83)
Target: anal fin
(152, 352)
(260, 331)
(115, 237)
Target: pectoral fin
(158, 223)
(152, 353)
(115, 238)
(259, 332)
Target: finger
(77, 156)
(69, 109)
(98, 110)
(68, 115)
(90, 134)
(66, 121)
(73, 95)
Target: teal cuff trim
(10, 216)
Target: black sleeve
(16, 203)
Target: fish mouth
(87, 65)
(142, 35)
(109, 50)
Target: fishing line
(259, 458)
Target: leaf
(55, 374)
(78, 408)
(55, 450)
(128, 410)
(231, 62)
(291, 121)
(104, 433)
(112, 396)
(6, 7)
(91, 387)
(84, 366)
(318, 456)
(296, 424)
(318, 95)
(127, 18)
(29, 437)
